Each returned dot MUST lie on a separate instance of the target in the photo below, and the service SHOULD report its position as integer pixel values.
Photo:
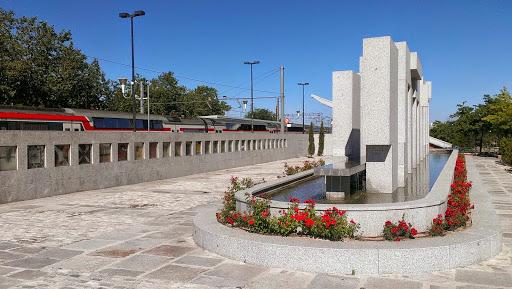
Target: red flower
(294, 200)
(388, 223)
(265, 213)
(310, 202)
(414, 232)
(397, 239)
(229, 220)
(309, 223)
(251, 222)
(352, 221)
(394, 230)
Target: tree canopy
(261, 113)
(479, 125)
(41, 67)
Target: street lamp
(131, 16)
(303, 112)
(251, 63)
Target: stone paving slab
(91, 221)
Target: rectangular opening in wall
(285, 143)
(105, 152)
(207, 147)
(188, 148)
(237, 145)
(254, 145)
(259, 144)
(223, 146)
(166, 149)
(153, 150)
(377, 153)
(198, 148)
(138, 151)
(61, 155)
(8, 158)
(242, 146)
(35, 156)
(122, 152)
(84, 154)
(177, 149)
(215, 147)
(230, 146)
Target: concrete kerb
(477, 243)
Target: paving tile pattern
(140, 236)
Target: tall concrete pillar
(414, 130)
(346, 119)
(423, 120)
(379, 108)
(404, 86)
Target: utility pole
(303, 112)
(251, 63)
(281, 70)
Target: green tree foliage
(321, 139)
(261, 113)
(506, 150)
(41, 67)
(482, 125)
(311, 146)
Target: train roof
(33, 110)
(222, 118)
(112, 114)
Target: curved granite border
(477, 243)
(371, 217)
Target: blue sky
(464, 45)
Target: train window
(105, 153)
(36, 156)
(166, 148)
(198, 148)
(61, 155)
(188, 148)
(8, 158)
(157, 124)
(237, 145)
(153, 150)
(98, 122)
(139, 151)
(223, 146)
(177, 149)
(122, 152)
(215, 147)
(124, 123)
(141, 124)
(207, 147)
(84, 154)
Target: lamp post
(251, 63)
(131, 16)
(303, 112)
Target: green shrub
(321, 139)
(506, 151)
(311, 147)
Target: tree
(321, 139)
(41, 67)
(311, 147)
(262, 113)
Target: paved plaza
(140, 236)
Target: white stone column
(346, 119)
(404, 84)
(414, 131)
(379, 104)
(423, 120)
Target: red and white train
(70, 119)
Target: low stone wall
(371, 217)
(477, 243)
(157, 150)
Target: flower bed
(458, 211)
(331, 224)
(306, 165)
(398, 231)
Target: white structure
(380, 114)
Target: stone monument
(380, 114)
